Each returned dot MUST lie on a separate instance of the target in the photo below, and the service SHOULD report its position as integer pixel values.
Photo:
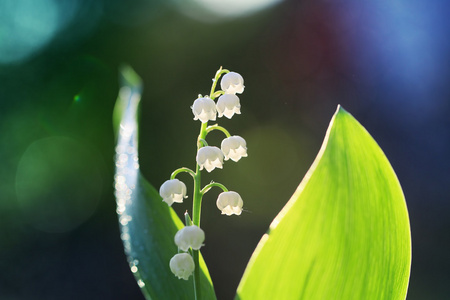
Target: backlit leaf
(345, 232)
(148, 225)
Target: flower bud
(173, 191)
(182, 265)
(190, 237)
(234, 147)
(209, 157)
(230, 203)
(232, 83)
(228, 105)
(204, 109)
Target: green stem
(197, 289)
(177, 171)
(217, 127)
(196, 211)
(197, 201)
(195, 256)
(209, 186)
(204, 143)
(216, 78)
(217, 94)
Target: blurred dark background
(386, 62)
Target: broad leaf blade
(345, 232)
(148, 225)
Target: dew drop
(125, 236)
(124, 219)
(123, 158)
(141, 283)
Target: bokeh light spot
(216, 10)
(235, 7)
(58, 183)
(25, 27)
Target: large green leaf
(345, 232)
(148, 225)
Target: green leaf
(345, 232)
(131, 86)
(148, 225)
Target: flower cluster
(190, 238)
(205, 109)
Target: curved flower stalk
(190, 239)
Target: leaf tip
(340, 114)
(129, 77)
(340, 110)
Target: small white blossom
(190, 237)
(204, 109)
(232, 83)
(173, 191)
(234, 147)
(230, 203)
(182, 265)
(210, 157)
(228, 105)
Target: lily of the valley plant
(190, 238)
(343, 235)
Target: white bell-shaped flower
(173, 191)
(190, 237)
(210, 157)
(234, 147)
(228, 105)
(230, 203)
(232, 83)
(204, 109)
(182, 265)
